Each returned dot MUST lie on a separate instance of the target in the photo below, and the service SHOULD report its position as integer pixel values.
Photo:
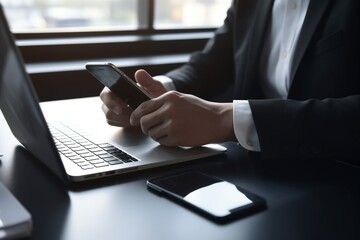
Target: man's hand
(175, 119)
(116, 111)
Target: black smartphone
(215, 198)
(118, 82)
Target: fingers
(154, 117)
(152, 86)
(117, 113)
(146, 110)
(162, 134)
(114, 119)
(112, 102)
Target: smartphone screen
(216, 198)
(119, 83)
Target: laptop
(71, 137)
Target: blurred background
(45, 15)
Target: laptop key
(101, 164)
(86, 155)
(91, 158)
(104, 145)
(100, 153)
(97, 161)
(110, 148)
(89, 166)
(126, 160)
(115, 162)
(79, 161)
(95, 150)
(84, 163)
(92, 147)
(108, 159)
(104, 155)
(75, 158)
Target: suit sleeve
(312, 129)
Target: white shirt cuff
(166, 82)
(244, 126)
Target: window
(80, 15)
(190, 13)
(42, 15)
(57, 37)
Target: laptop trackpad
(143, 147)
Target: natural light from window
(74, 15)
(190, 13)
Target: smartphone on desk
(118, 82)
(213, 197)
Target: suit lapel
(314, 14)
(262, 18)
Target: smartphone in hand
(118, 82)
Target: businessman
(292, 67)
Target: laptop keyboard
(86, 153)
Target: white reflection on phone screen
(218, 198)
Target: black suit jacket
(321, 117)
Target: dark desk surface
(301, 205)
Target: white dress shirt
(286, 22)
(282, 36)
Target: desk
(301, 205)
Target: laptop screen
(19, 103)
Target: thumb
(146, 81)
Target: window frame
(146, 13)
(55, 59)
